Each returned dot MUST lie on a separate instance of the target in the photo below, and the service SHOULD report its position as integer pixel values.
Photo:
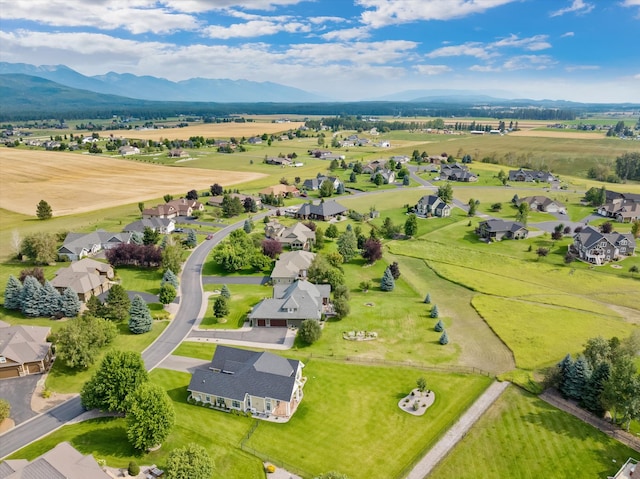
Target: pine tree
(577, 379)
(167, 293)
(13, 293)
(170, 277)
(70, 303)
(387, 283)
(439, 327)
(248, 226)
(434, 311)
(220, 307)
(43, 211)
(427, 298)
(49, 300)
(444, 339)
(31, 291)
(224, 292)
(347, 245)
(592, 397)
(137, 238)
(191, 240)
(117, 304)
(140, 320)
(565, 366)
(94, 307)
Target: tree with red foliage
(271, 248)
(37, 273)
(372, 250)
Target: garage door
(262, 322)
(279, 323)
(9, 373)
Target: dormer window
(3, 360)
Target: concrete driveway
(18, 392)
(258, 280)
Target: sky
(578, 50)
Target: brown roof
(24, 344)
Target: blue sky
(581, 50)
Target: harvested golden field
(214, 130)
(74, 183)
(575, 135)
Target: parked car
(178, 230)
(209, 237)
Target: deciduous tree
(43, 211)
(150, 416)
(40, 247)
(309, 331)
(167, 293)
(372, 250)
(445, 192)
(347, 245)
(80, 340)
(411, 225)
(271, 248)
(189, 462)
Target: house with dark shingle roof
(313, 184)
(543, 203)
(161, 225)
(61, 462)
(78, 245)
(323, 211)
(531, 175)
(495, 229)
(291, 304)
(598, 248)
(432, 205)
(456, 172)
(262, 383)
(24, 350)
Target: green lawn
(523, 437)
(243, 298)
(65, 380)
(140, 279)
(349, 419)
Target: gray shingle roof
(496, 225)
(153, 223)
(326, 209)
(76, 242)
(260, 374)
(590, 237)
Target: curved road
(190, 308)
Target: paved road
(18, 392)
(190, 309)
(458, 431)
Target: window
(236, 404)
(207, 398)
(3, 360)
(268, 404)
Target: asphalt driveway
(18, 392)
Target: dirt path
(458, 431)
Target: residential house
(402, 159)
(374, 166)
(314, 184)
(628, 213)
(61, 462)
(86, 277)
(388, 176)
(621, 206)
(628, 469)
(173, 208)
(432, 205)
(324, 211)
(254, 140)
(23, 350)
(278, 161)
(598, 248)
(320, 153)
(383, 144)
(178, 153)
(437, 159)
(161, 225)
(456, 172)
(79, 245)
(543, 203)
(291, 266)
(217, 200)
(127, 150)
(280, 190)
(531, 175)
(495, 229)
(296, 237)
(262, 383)
(291, 304)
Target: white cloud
(484, 68)
(254, 28)
(472, 49)
(487, 51)
(630, 3)
(535, 43)
(347, 34)
(579, 6)
(379, 13)
(432, 69)
(567, 34)
(529, 62)
(636, 77)
(573, 68)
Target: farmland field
(214, 130)
(73, 183)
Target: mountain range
(155, 89)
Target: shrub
(133, 468)
(434, 311)
(444, 339)
(310, 331)
(427, 299)
(439, 327)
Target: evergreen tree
(192, 239)
(31, 291)
(439, 327)
(49, 300)
(164, 241)
(427, 298)
(117, 305)
(137, 238)
(167, 293)
(577, 379)
(13, 293)
(565, 366)
(43, 211)
(411, 225)
(70, 303)
(140, 320)
(387, 283)
(248, 226)
(434, 311)
(224, 292)
(406, 181)
(347, 245)
(395, 270)
(592, 398)
(94, 307)
(220, 307)
(170, 278)
(444, 338)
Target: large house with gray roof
(161, 225)
(496, 230)
(531, 176)
(79, 245)
(323, 211)
(291, 304)
(262, 383)
(598, 248)
(291, 266)
(543, 203)
(24, 350)
(298, 236)
(86, 277)
(432, 205)
(61, 462)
